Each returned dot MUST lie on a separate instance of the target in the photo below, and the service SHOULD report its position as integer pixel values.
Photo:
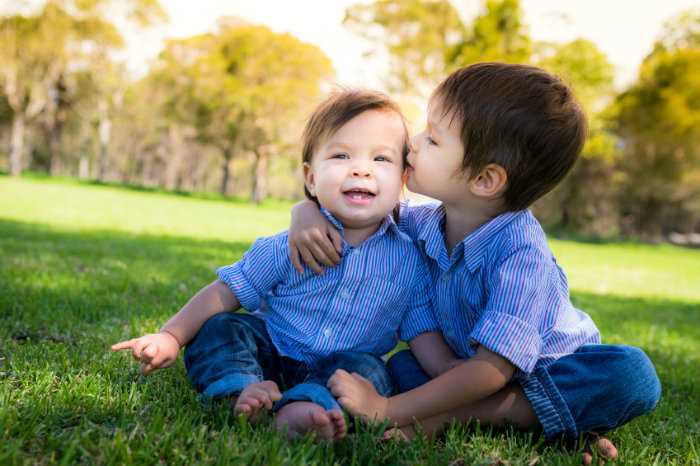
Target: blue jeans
(233, 350)
(595, 389)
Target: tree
(416, 34)
(241, 88)
(585, 200)
(497, 34)
(658, 119)
(37, 52)
(427, 39)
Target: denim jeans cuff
(549, 406)
(312, 392)
(229, 385)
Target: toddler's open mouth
(359, 195)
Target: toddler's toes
(338, 421)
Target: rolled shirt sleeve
(420, 317)
(517, 303)
(256, 274)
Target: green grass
(83, 266)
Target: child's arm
(159, 350)
(476, 378)
(433, 353)
(312, 238)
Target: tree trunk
(225, 173)
(260, 164)
(84, 167)
(174, 157)
(17, 144)
(105, 131)
(54, 139)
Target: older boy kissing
(498, 137)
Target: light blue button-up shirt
(501, 288)
(380, 290)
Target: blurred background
(211, 96)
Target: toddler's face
(435, 159)
(356, 172)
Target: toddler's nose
(361, 170)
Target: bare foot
(303, 417)
(605, 448)
(256, 398)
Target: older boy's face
(436, 158)
(356, 172)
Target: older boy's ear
(491, 182)
(309, 179)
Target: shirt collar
(474, 245)
(388, 224)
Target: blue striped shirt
(379, 289)
(501, 288)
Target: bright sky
(623, 29)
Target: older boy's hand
(155, 350)
(313, 239)
(357, 395)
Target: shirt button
(345, 294)
(327, 332)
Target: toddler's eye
(339, 156)
(382, 158)
(431, 141)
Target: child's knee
(647, 387)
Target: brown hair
(519, 117)
(337, 109)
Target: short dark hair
(517, 116)
(337, 109)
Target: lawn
(83, 266)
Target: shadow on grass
(64, 278)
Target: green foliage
(244, 88)
(659, 120)
(85, 265)
(497, 34)
(427, 39)
(585, 200)
(417, 35)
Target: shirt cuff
(235, 279)
(416, 323)
(510, 337)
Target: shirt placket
(342, 301)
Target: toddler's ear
(491, 182)
(309, 179)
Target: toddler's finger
(146, 368)
(149, 352)
(137, 349)
(123, 345)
